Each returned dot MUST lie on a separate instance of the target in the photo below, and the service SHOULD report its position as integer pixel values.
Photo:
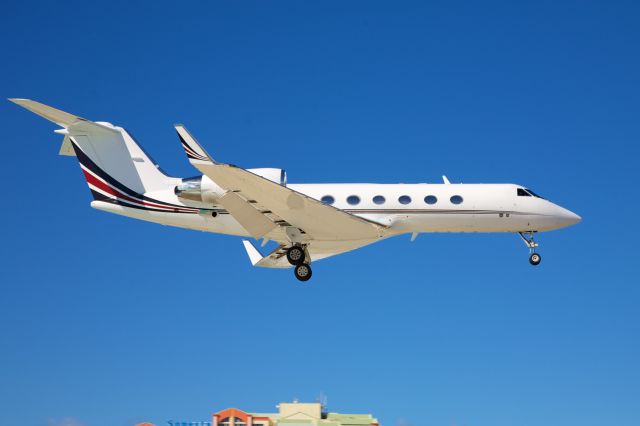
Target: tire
(535, 259)
(296, 255)
(303, 272)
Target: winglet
(254, 254)
(191, 146)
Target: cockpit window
(526, 192)
(534, 194)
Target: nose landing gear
(534, 258)
(297, 256)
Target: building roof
(303, 414)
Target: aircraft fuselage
(428, 208)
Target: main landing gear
(303, 272)
(534, 258)
(297, 256)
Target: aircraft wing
(267, 209)
(317, 250)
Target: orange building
(289, 414)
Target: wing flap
(251, 219)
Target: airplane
(308, 221)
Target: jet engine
(203, 189)
(199, 188)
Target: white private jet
(309, 221)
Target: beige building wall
(302, 411)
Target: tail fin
(103, 150)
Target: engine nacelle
(278, 176)
(199, 188)
(203, 189)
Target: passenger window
(456, 199)
(378, 199)
(523, 193)
(430, 199)
(353, 200)
(405, 199)
(328, 199)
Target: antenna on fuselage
(446, 180)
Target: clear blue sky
(109, 321)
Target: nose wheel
(534, 258)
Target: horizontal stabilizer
(64, 119)
(57, 116)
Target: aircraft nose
(568, 217)
(573, 218)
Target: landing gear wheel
(303, 272)
(535, 259)
(296, 255)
